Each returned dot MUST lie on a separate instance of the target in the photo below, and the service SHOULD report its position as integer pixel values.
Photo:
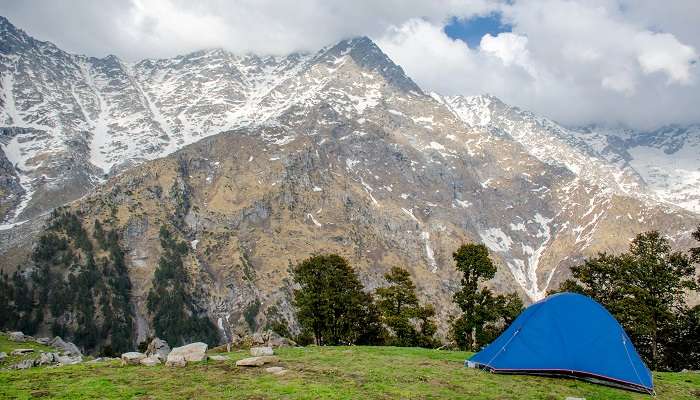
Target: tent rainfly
(570, 335)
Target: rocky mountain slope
(259, 162)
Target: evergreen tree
(410, 324)
(484, 315)
(645, 289)
(330, 302)
(175, 317)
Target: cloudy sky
(633, 62)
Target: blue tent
(567, 334)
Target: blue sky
(473, 29)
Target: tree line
(333, 308)
(647, 289)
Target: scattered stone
(276, 370)
(67, 347)
(21, 352)
(151, 361)
(272, 339)
(43, 340)
(69, 360)
(132, 358)
(257, 361)
(218, 358)
(264, 339)
(575, 398)
(17, 337)
(158, 348)
(191, 352)
(261, 351)
(24, 364)
(46, 359)
(175, 360)
(3, 355)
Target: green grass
(319, 373)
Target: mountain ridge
(258, 162)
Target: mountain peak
(368, 55)
(11, 37)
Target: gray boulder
(158, 348)
(261, 351)
(3, 355)
(67, 348)
(17, 336)
(257, 361)
(217, 357)
(132, 358)
(191, 352)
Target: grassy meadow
(317, 373)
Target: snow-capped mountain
(99, 116)
(261, 161)
(663, 165)
(667, 159)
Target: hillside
(319, 373)
(259, 162)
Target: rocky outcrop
(67, 348)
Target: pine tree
(484, 315)
(330, 302)
(410, 324)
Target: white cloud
(136, 29)
(662, 52)
(578, 61)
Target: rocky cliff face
(337, 151)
